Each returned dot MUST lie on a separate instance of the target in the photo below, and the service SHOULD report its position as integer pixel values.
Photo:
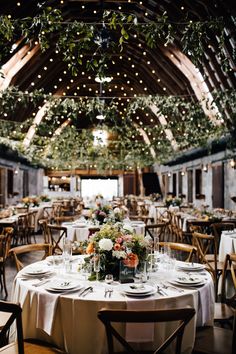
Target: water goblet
(96, 265)
(109, 278)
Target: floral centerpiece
(100, 214)
(118, 214)
(115, 244)
(172, 201)
(44, 198)
(27, 201)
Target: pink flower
(119, 240)
(116, 247)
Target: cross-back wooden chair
(229, 274)
(207, 252)
(43, 223)
(20, 250)
(22, 229)
(215, 340)
(32, 225)
(186, 252)
(182, 316)
(3, 257)
(155, 230)
(20, 346)
(57, 233)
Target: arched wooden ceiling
(137, 70)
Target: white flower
(105, 244)
(127, 227)
(119, 254)
(116, 211)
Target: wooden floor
(11, 270)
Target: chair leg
(3, 280)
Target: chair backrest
(3, 242)
(57, 233)
(229, 271)
(15, 311)
(16, 251)
(8, 234)
(32, 218)
(155, 230)
(186, 252)
(182, 315)
(206, 244)
(43, 223)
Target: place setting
(63, 286)
(190, 266)
(137, 290)
(188, 281)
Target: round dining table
(227, 244)
(63, 315)
(80, 231)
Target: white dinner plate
(68, 223)
(63, 285)
(186, 285)
(137, 289)
(141, 295)
(57, 258)
(34, 271)
(191, 280)
(190, 266)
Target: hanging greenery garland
(73, 39)
(126, 149)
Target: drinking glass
(67, 254)
(141, 272)
(87, 270)
(109, 278)
(96, 265)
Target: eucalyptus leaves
(126, 148)
(94, 44)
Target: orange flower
(131, 261)
(116, 247)
(90, 248)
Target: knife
(41, 282)
(86, 291)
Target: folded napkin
(139, 332)
(206, 301)
(46, 310)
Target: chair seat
(222, 312)
(41, 348)
(9, 349)
(4, 316)
(31, 348)
(213, 340)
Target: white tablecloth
(227, 244)
(75, 232)
(71, 323)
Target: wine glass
(109, 278)
(96, 265)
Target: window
(107, 187)
(10, 176)
(190, 186)
(174, 185)
(180, 178)
(198, 183)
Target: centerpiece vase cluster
(115, 244)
